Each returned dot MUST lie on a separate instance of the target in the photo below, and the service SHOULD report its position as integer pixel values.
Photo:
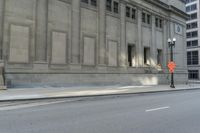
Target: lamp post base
(172, 86)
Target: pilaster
(1, 27)
(75, 47)
(153, 42)
(41, 31)
(102, 32)
(140, 49)
(123, 53)
(165, 45)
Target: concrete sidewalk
(69, 92)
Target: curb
(97, 95)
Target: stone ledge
(3, 88)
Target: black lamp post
(171, 45)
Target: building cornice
(169, 8)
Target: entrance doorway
(131, 55)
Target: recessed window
(158, 22)
(192, 16)
(112, 6)
(192, 25)
(161, 23)
(193, 74)
(90, 2)
(130, 12)
(193, 58)
(192, 43)
(143, 17)
(94, 2)
(159, 57)
(133, 13)
(191, 8)
(192, 34)
(116, 7)
(131, 55)
(147, 56)
(109, 5)
(148, 19)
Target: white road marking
(21, 106)
(156, 109)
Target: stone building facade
(85, 42)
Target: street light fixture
(171, 44)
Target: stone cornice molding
(169, 8)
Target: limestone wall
(69, 37)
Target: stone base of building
(63, 80)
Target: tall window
(193, 58)
(109, 5)
(158, 22)
(143, 17)
(133, 13)
(112, 6)
(116, 7)
(146, 18)
(130, 12)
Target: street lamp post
(171, 45)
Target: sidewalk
(69, 92)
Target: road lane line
(156, 109)
(28, 105)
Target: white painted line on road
(29, 105)
(156, 109)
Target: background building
(79, 42)
(193, 32)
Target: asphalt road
(177, 112)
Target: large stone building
(81, 42)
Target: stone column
(123, 53)
(41, 31)
(184, 48)
(102, 32)
(165, 45)
(75, 47)
(153, 43)
(1, 27)
(139, 47)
